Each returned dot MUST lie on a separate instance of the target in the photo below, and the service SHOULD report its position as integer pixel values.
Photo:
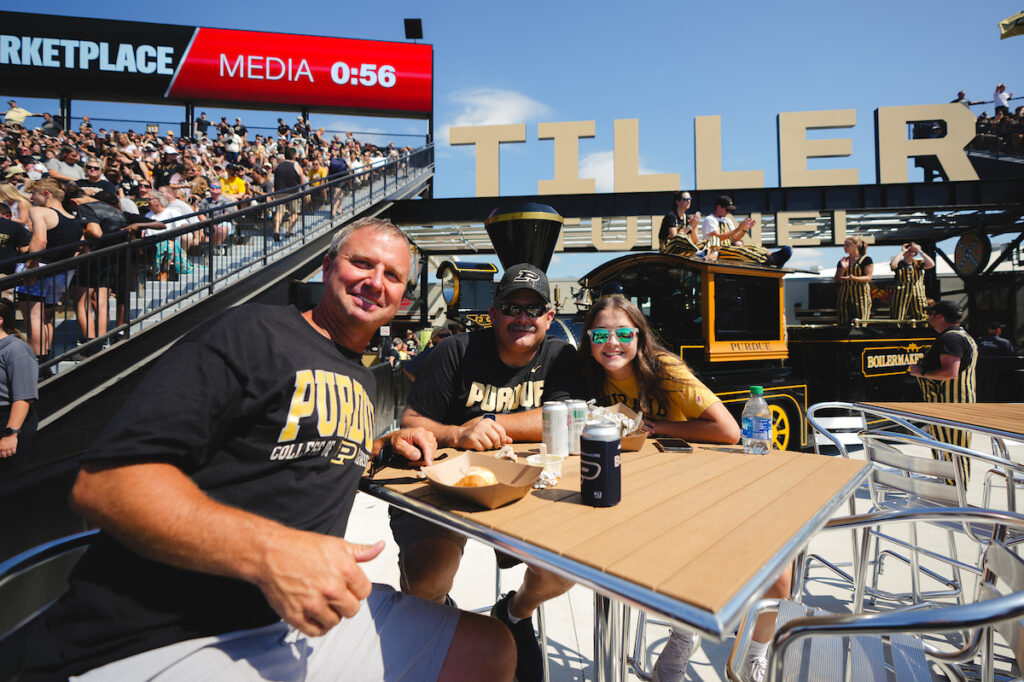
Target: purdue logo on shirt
(524, 396)
(341, 410)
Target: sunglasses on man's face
(602, 336)
(95, 168)
(513, 309)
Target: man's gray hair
(381, 227)
(158, 196)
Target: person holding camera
(908, 298)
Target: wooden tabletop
(1005, 420)
(710, 529)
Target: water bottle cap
(756, 390)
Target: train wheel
(781, 427)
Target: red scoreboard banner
(51, 56)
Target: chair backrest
(13, 640)
(831, 431)
(836, 425)
(917, 474)
(1005, 576)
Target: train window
(674, 308)
(746, 308)
(669, 297)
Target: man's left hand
(415, 444)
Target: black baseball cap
(725, 201)
(523, 276)
(949, 310)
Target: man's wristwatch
(8, 431)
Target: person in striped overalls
(908, 299)
(853, 275)
(946, 374)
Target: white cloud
(491, 106)
(601, 167)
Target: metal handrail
(359, 189)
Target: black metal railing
(82, 299)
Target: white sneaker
(755, 669)
(672, 662)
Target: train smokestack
(524, 233)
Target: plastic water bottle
(756, 428)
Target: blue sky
(660, 62)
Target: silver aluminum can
(600, 464)
(555, 421)
(577, 420)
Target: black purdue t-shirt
(262, 413)
(465, 378)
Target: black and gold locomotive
(726, 319)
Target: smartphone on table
(672, 445)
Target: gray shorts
(393, 637)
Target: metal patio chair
(833, 425)
(903, 479)
(811, 645)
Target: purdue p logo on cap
(523, 276)
(527, 277)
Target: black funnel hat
(524, 233)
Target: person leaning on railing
(53, 230)
(105, 224)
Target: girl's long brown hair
(651, 366)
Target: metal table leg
(607, 640)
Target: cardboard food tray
(635, 440)
(514, 480)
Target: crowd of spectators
(1002, 131)
(127, 161)
(149, 180)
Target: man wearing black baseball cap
(481, 391)
(946, 373)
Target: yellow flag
(1012, 26)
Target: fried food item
(476, 477)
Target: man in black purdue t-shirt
(481, 391)
(216, 486)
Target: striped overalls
(854, 298)
(908, 299)
(958, 390)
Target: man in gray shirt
(66, 167)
